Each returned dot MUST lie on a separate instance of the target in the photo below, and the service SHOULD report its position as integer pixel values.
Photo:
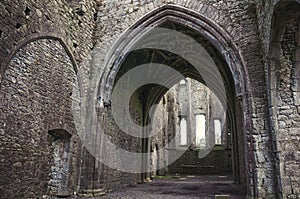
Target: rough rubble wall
(71, 21)
(159, 139)
(36, 96)
(204, 101)
(265, 15)
(285, 100)
(183, 98)
(195, 98)
(288, 115)
(96, 176)
(166, 130)
(173, 120)
(113, 178)
(238, 19)
(279, 32)
(190, 163)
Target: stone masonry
(60, 61)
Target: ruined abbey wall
(36, 97)
(238, 20)
(56, 55)
(280, 42)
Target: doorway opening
(59, 142)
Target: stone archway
(217, 41)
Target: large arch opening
(151, 94)
(126, 56)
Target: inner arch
(148, 95)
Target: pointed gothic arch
(227, 54)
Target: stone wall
(283, 67)
(42, 42)
(238, 20)
(162, 133)
(204, 101)
(36, 97)
(96, 176)
(184, 100)
(71, 21)
(191, 163)
(41, 45)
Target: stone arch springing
(215, 35)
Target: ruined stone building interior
(150, 99)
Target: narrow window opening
(183, 132)
(200, 130)
(182, 82)
(218, 131)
